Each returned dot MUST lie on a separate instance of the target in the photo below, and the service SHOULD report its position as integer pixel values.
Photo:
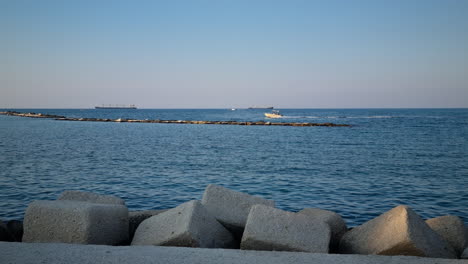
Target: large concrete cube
(452, 229)
(75, 222)
(335, 222)
(231, 208)
(399, 231)
(188, 225)
(268, 228)
(136, 217)
(90, 197)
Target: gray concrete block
(136, 217)
(268, 228)
(335, 222)
(32, 253)
(75, 222)
(90, 197)
(399, 231)
(452, 229)
(231, 208)
(187, 225)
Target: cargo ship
(261, 107)
(116, 107)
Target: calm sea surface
(417, 157)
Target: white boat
(274, 114)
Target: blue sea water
(417, 157)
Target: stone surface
(136, 217)
(231, 208)
(335, 222)
(399, 231)
(15, 228)
(187, 225)
(32, 253)
(452, 229)
(268, 228)
(90, 197)
(4, 234)
(75, 222)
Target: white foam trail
(370, 117)
(336, 117)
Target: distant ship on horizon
(261, 107)
(109, 106)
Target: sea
(387, 157)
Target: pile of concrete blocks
(230, 219)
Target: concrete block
(136, 217)
(399, 231)
(273, 229)
(90, 197)
(187, 225)
(4, 234)
(452, 229)
(75, 222)
(231, 208)
(335, 222)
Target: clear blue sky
(222, 54)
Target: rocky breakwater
(158, 121)
(30, 114)
(229, 219)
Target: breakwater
(158, 121)
(228, 219)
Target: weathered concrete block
(230, 208)
(335, 222)
(187, 225)
(268, 228)
(75, 222)
(15, 228)
(452, 229)
(136, 217)
(4, 234)
(90, 197)
(399, 231)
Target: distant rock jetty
(227, 219)
(158, 121)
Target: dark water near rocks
(417, 157)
